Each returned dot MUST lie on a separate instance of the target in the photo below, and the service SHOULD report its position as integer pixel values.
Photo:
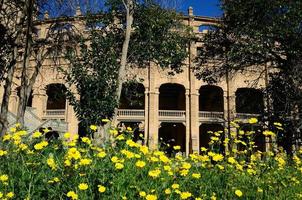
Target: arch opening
(172, 97)
(133, 96)
(170, 135)
(206, 131)
(249, 100)
(56, 96)
(211, 98)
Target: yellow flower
(72, 195)
(2, 152)
(203, 149)
(186, 165)
(131, 143)
(218, 157)
(101, 154)
(73, 153)
(238, 193)
(151, 197)
(184, 172)
(175, 186)
(56, 179)
(142, 194)
(185, 195)
(85, 161)
(168, 191)
(196, 175)
(6, 137)
(40, 145)
(115, 159)
(119, 166)
(36, 134)
(167, 168)
(144, 149)
(105, 120)
(86, 140)
(51, 163)
(113, 132)
(83, 186)
(129, 128)
(231, 160)
(10, 195)
(253, 120)
(3, 178)
(93, 127)
(101, 188)
(154, 173)
(120, 137)
(154, 159)
(177, 147)
(67, 163)
(260, 190)
(140, 164)
(67, 135)
(164, 159)
(269, 133)
(1, 195)
(127, 153)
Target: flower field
(72, 168)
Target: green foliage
(93, 71)
(251, 35)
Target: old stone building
(179, 109)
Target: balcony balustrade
(172, 115)
(210, 116)
(55, 114)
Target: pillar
(146, 136)
(195, 120)
(13, 101)
(187, 122)
(71, 119)
(39, 101)
(153, 118)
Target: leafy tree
(98, 71)
(259, 36)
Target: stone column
(153, 118)
(39, 101)
(13, 101)
(195, 120)
(146, 136)
(71, 119)
(187, 122)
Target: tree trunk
(6, 94)
(24, 90)
(122, 71)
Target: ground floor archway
(208, 130)
(170, 135)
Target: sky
(202, 7)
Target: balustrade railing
(210, 115)
(54, 114)
(246, 115)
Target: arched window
(211, 98)
(249, 100)
(133, 96)
(56, 96)
(172, 97)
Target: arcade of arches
(180, 109)
(172, 105)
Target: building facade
(178, 109)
